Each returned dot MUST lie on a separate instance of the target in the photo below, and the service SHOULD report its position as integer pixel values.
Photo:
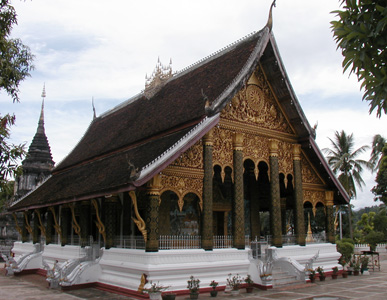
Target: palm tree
(342, 158)
(376, 155)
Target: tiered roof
(125, 147)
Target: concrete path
(374, 287)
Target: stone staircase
(282, 278)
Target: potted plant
(193, 286)
(312, 275)
(321, 273)
(356, 267)
(249, 284)
(335, 272)
(168, 296)
(155, 290)
(214, 292)
(364, 264)
(234, 282)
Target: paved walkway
(374, 286)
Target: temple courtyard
(373, 286)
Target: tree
(378, 143)
(380, 190)
(344, 163)
(9, 153)
(361, 33)
(15, 65)
(15, 58)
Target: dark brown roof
(143, 131)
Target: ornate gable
(255, 105)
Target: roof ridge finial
(92, 103)
(269, 23)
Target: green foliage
(378, 143)
(373, 238)
(380, 190)
(9, 153)
(15, 58)
(347, 240)
(361, 33)
(6, 192)
(346, 250)
(342, 158)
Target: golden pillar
(330, 226)
(299, 222)
(238, 204)
(275, 200)
(207, 218)
(152, 214)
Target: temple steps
(282, 278)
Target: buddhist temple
(176, 181)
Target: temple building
(38, 163)
(177, 181)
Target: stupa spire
(41, 118)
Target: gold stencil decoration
(285, 155)
(192, 158)
(255, 104)
(308, 174)
(223, 146)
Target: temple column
(207, 216)
(84, 222)
(49, 227)
(35, 228)
(110, 207)
(152, 214)
(65, 224)
(299, 223)
(330, 226)
(275, 205)
(24, 230)
(238, 203)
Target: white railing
(382, 247)
(222, 241)
(179, 242)
(130, 242)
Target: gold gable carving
(256, 147)
(255, 104)
(309, 175)
(223, 145)
(285, 163)
(192, 158)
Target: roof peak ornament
(159, 77)
(269, 23)
(41, 118)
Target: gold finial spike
(94, 113)
(269, 23)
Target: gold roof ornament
(159, 77)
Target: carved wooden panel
(222, 147)
(285, 156)
(192, 158)
(182, 185)
(255, 104)
(308, 173)
(314, 196)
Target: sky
(102, 50)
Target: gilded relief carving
(308, 174)
(192, 158)
(181, 186)
(255, 104)
(223, 146)
(285, 162)
(313, 196)
(256, 147)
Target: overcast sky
(97, 49)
